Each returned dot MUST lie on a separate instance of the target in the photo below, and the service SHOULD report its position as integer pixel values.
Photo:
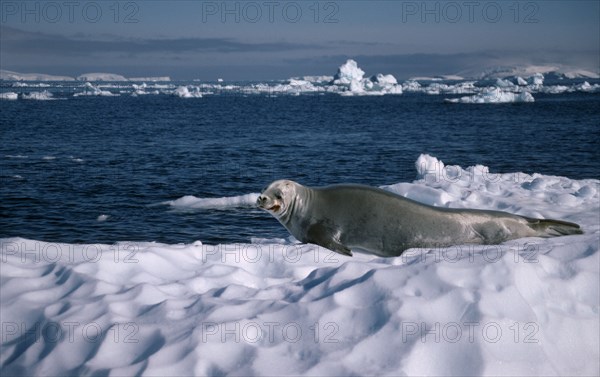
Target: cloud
(17, 41)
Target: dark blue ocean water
(137, 152)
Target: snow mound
(527, 307)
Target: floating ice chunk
(347, 73)
(384, 80)
(586, 87)
(140, 90)
(318, 79)
(504, 83)
(91, 90)
(9, 96)
(554, 89)
(427, 164)
(537, 79)
(102, 218)
(184, 92)
(192, 202)
(39, 96)
(151, 79)
(521, 81)
(296, 82)
(351, 77)
(494, 95)
(411, 86)
(29, 85)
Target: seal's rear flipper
(554, 228)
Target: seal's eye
(278, 196)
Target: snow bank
(494, 95)
(528, 307)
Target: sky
(270, 40)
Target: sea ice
(527, 307)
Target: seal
(346, 217)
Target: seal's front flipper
(338, 247)
(319, 235)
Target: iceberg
(347, 73)
(350, 77)
(16, 76)
(101, 77)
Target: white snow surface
(527, 307)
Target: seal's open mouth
(275, 208)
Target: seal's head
(278, 197)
